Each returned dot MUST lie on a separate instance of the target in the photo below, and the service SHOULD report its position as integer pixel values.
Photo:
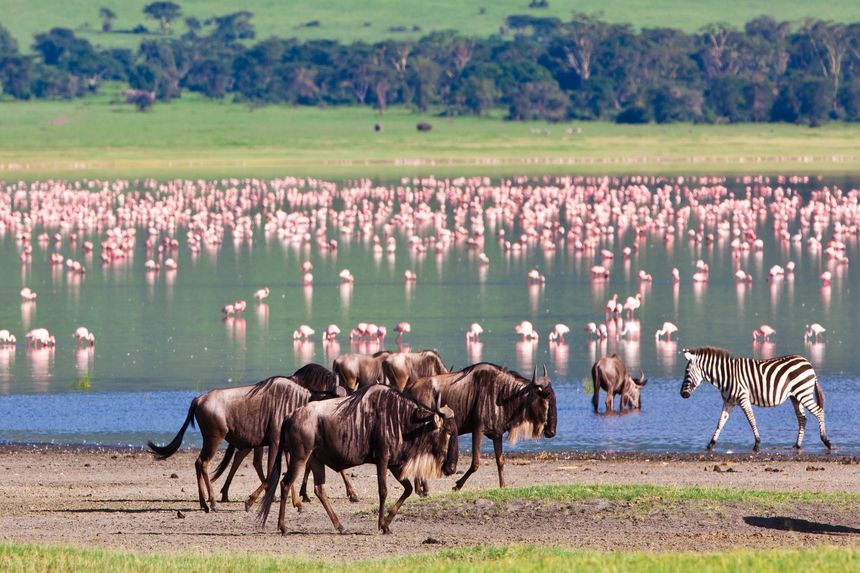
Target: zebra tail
(819, 394)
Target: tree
(164, 12)
(582, 35)
(16, 76)
(107, 16)
(540, 100)
(479, 94)
(8, 45)
(232, 27)
(425, 78)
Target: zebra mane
(712, 351)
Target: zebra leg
(801, 422)
(747, 408)
(818, 412)
(727, 409)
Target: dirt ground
(125, 499)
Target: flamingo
(239, 306)
(535, 277)
(474, 332)
(307, 267)
(359, 331)
(261, 294)
(814, 331)
(676, 275)
(765, 331)
(742, 276)
(645, 277)
(826, 277)
(380, 333)
(228, 310)
(700, 277)
(526, 330)
(401, 329)
(632, 304)
(612, 306)
(346, 277)
(170, 265)
(409, 276)
(558, 332)
(602, 331)
(308, 279)
(84, 337)
(599, 272)
(28, 295)
(40, 337)
(7, 337)
(667, 330)
(591, 329)
(330, 333)
(304, 332)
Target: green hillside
(373, 20)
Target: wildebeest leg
(595, 398)
(407, 491)
(258, 465)
(500, 459)
(350, 490)
(319, 490)
(207, 452)
(295, 465)
(477, 437)
(381, 471)
(610, 399)
(421, 487)
(304, 489)
(237, 461)
(724, 415)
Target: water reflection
(815, 352)
(475, 351)
(525, 352)
(667, 355)
(304, 351)
(764, 350)
(41, 366)
(84, 360)
(559, 353)
(28, 311)
(262, 312)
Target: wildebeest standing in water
(247, 417)
(359, 370)
(398, 366)
(375, 425)
(323, 384)
(610, 374)
(489, 400)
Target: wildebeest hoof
(305, 498)
(224, 498)
(354, 498)
(341, 530)
(248, 505)
(205, 508)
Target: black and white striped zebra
(746, 383)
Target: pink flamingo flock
(593, 218)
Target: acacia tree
(164, 12)
(108, 16)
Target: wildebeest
(397, 366)
(323, 384)
(423, 126)
(247, 417)
(489, 400)
(375, 425)
(359, 370)
(610, 374)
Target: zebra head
(693, 376)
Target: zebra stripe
(746, 382)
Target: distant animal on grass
(610, 375)
(375, 425)
(423, 126)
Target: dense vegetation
(541, 68)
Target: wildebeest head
(632, 392)
(693, 375)
(441, 427)
(538, 414)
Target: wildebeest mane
(429, 364)
(380, 353)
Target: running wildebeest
(247, 417)
(610, 374)
(398, 366)
(359, 370)
(489, 400)
(377, 425)
(323, 384)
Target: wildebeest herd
(403, 412)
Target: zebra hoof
(710, 446)
(797, 447)
(756, 447)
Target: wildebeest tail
(274, 477)
(163, 452)
(819, 394)
(225, 462)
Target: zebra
(746, 382)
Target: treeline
(535, 68)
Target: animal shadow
(799, 525)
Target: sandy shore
(125, 499)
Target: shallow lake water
(161, 338)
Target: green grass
(192, 137)
(345, 21)
(657, 493)
(26, 558)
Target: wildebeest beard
(516, 410)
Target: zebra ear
(688, 355)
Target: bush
(635, 115)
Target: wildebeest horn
(446, 412)
(545, 373)
(534, 374)
(438, 401)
